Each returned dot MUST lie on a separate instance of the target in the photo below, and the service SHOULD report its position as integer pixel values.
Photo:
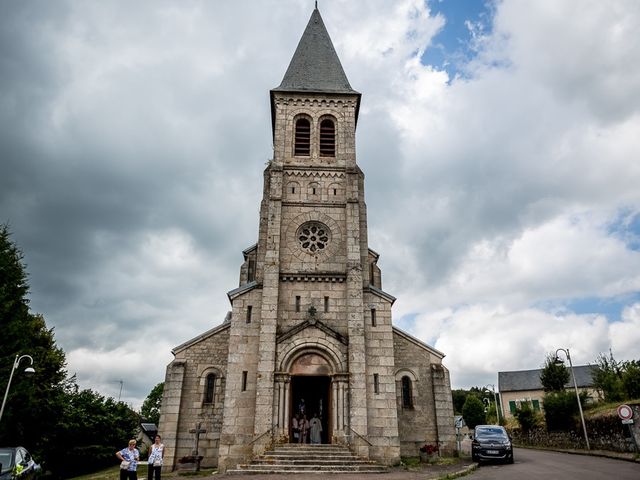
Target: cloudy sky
(500, 142)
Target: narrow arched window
(407, 392)
(210, 388)
(327, 138)
(302, 137)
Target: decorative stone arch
(328, 135)
(302, 135)
(324, 350)
(205, 373)
(405, 388)
(314, 110)
(292, 190)
(314, 191)
(312, 353)
(401, 372)
(335, 192)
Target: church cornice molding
(328, 172)
(317, 100)
(380, 293)
(314, 204)
(201, 337)
(333, 277)
(418, 342)
(242, 289)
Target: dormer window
(302, 137)
(327, 138)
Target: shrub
(560, 409)
(526, 417)
(473, 412)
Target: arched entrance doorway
(311, 392)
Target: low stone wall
(605, 433)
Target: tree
(473, 411)
(36, 403)
(631, 380)
(553, 376)
(66, 430)
(458, 396)
(151, 406)
(560, 409)
(607, 378)
(90, 431)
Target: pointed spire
(315, 66)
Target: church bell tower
(310, 321)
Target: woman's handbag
(125, 465)
(157, 463)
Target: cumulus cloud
(134, 138)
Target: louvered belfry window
(327, 138)
(303, 137)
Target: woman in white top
(155, 458)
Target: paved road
(538, 464)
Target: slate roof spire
(315, 66)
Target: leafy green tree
(553, 376)
(458, 396)
(560, 409)
(473, 411)
(35, 403)
(91, 430)
(631, 380)
(151, 406)
(66, 430)
(607, 378)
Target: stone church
(310, 328)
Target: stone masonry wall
(196, 361)
(430, 420)
(381, 404)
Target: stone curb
(460, 473)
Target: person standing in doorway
(303, 424)
(315, 430)
(295, 428)
(155, 459)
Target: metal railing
(263, 434)
(360, 436)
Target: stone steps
(304, 458)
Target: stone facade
(310, 326)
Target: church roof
(315, 66)
(418, 342)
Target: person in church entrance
(295, 428)
(315, 430)
(303, 425)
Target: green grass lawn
(113, 473)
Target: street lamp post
(495, 399)
(29, 370)
(575, 385)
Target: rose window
(313, 237)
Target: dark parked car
(17, 461)
(491, 442)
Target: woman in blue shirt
(129, 461)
